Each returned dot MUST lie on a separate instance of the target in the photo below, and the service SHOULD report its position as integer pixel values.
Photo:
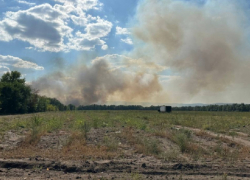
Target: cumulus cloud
(127, 41)
(105, 47)
(120, 31)
(42, 26)
(7, 61)
(99, 29)
(84, 42)
(46, 27)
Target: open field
(125, 145)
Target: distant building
(167, 109)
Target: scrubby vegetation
(145, 131)
(129, 139)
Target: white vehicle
(165, 109)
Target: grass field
(108, 135)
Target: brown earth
(128, 161)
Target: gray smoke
(94, 84)
(206, 45)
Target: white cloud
(105, 47)
(120, 30)
(42, 26)
(82, 4)
(27, 3)
(6, 61)
(99, 29)
(47, 28)
(84, 42)
(92, 37)
(4, 69)
(127, 41)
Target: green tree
(42, 104)
(14, 93)
(71, 107)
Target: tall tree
(14, 93)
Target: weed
(136, 176)
(151, 146)
(224, 176)
(35, 130)
(169, 155)
(111, 143)
(232, 133)
(53, 124)
(83, 127)
(95, 123)
(180, 177)
(182, 139)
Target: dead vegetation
(146, 136)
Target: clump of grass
(111, 143)
(145, 145)
(182, 138)
(170, 155)
(53, 124)
(224, 176)
(182, 141)
(83, 127)
(95, 123)
(203, 133)
(136, 176)
(232, 133)
(206, 127)
(75, 137)
(143, 126)
(151, 146)
(36, 130)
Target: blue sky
(107, 15)
(175, 51)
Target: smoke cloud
(94, 84)
(205, 48)
(204, 44)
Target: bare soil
(127, 163)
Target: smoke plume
(205, 45)
(94, 84)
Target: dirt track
(239, 139)
(40, 169)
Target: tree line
(116, 107)
(227, 107)
(215, 107)
(16, 97)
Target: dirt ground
(119, 169)
(128, 162)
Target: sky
(129, 52)
(39, 32)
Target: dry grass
(142, 130)
(75, 149)
(143, 144)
